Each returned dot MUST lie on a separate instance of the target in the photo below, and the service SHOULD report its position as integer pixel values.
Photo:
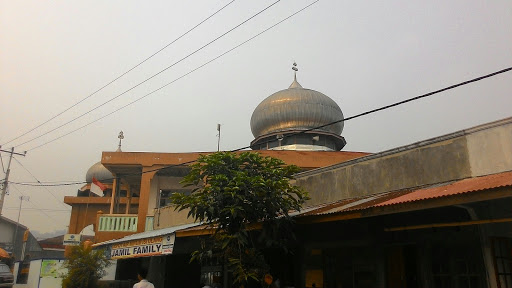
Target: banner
(50, 268)
(143, 247)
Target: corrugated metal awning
(147, 234)
(459, 187)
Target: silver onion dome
(296, 108)
(99, 172)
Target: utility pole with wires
(7, 172)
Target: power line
(154, 75)
(123, 74)
(318, 127)
(23, 166)
(37, 209)
(182, 76)
(54, 182)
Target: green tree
(237, 193)
(85, 267)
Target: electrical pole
(6, 180)
(18, 222)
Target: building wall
(85, 215)
(161, 183)
(33, 273)
(396, 170)
(169, 182)
(152, 181)
(490, 149)
(7, 234)
(110, 271)
(478, 151)
(168, 217)
(6, 239)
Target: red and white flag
(97, 187)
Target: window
(456, 267)
(164, 198)
(502, 252)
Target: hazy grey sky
(362, 54)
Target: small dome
(296, 108)
(99, 172)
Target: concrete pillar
(97, 226)
(129, 199)
(73, 225)
(113, 197)
(73, 220)
(145, 189)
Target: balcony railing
(118, 223)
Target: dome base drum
(295, 140)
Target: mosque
(428, 214)
(284, 126)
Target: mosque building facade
(362, 226)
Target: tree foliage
(234, 194)
(85, 267)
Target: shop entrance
(401, 267)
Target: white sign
(153, 246)
(72, 239)
(168, 243)
(145, 250)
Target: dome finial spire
(295, 84)
(121, 137)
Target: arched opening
(88, 230)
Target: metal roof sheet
(458, 187)
(503, 179)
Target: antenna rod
(218, 140)
(26, 198)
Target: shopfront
(158, 252)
